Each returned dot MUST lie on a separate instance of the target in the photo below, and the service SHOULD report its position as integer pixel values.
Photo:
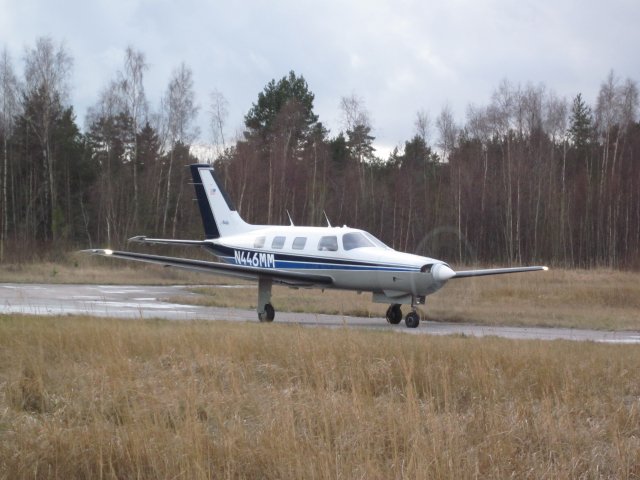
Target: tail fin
(219, 216)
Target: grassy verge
(82, 268)
(95, 398)
(600, 299)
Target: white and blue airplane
(304, 257)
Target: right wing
(293, 279)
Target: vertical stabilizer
(219, 216)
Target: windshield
(355, 240)
(375, 241)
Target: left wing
(239, 271)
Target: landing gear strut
(394, 314)
(412, 320)
(266, 312)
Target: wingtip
(98, 251)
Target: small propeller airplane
(304, 257)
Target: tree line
(528, 178)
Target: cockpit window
(328, 244)
(355, 240)
(259, 242)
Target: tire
(269, 313)
(412, 320)
(394, 314)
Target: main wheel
(394, 314)
(412, 320)
(269, 313)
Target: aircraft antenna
(290, 221)
(327, 219)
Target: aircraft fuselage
(354, 259)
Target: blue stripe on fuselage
(317, 264)
(308, 262)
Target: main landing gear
(412, 320)
(266, 312)
(394, 314)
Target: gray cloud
(399, 56)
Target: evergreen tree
(360, 142)
(581, 129)
(339, 151)
(275, 97)
(417, 154)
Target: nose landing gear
(412, 320)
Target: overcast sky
(398, 56)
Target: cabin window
(328, 244)
(355, 240)
(259, 242)
(299, 243)
(278, 242)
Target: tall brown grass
(98, 398)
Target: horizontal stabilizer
(167, 241)
(496, 271)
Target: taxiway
(128, 301)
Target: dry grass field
(100, 398)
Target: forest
(529, 178)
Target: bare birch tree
(423, 126)
(448, 133)
(47, 68)
(353, 112)
(180, 111)
(9, 107)
(131, 82)
(219, 110)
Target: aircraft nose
(442, 273)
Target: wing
(495, 271)
(293, 279)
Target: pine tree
(581, 129)
(275, 97)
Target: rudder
(219, 216)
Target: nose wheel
(412, 320)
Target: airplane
(304, 257)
